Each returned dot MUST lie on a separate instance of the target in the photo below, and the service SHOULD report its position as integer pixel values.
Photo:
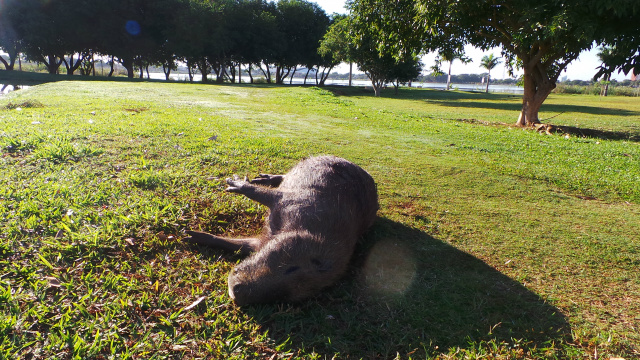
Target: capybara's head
(291, 267)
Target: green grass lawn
(492, 241)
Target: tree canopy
(215, 36)
(382, 41)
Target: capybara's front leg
(268, 180)
(264, 196)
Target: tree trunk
(12, 61)
(277, 74)
(267, 72)
(232, 73)
(377, 85)
(306, 75)
(72, 65)
(112, 63)
(190, 70)
(167, 71)
(537, 87)
(128, 64)
(294, 72)
(203, 69)
(449, 76)
(52, 64)
(325, 76)
(350, 73)
(6, 64)
(486, 90)
(605, 90)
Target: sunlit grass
(493, 241)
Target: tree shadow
(410, 292)
(458, 99)
(559, 108)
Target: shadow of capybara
(318, 211)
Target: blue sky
(581, 69)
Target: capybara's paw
(195, 237)
(236, 184)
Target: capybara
(318, 211)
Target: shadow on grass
(411, 293)
(24, 78)
(558, 108)
(494, 101)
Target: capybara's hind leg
(263, 195)
(268, 180)
(245, 246)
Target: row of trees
(215, 37)
(384, 38)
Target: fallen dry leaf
(53, 282)
(195, 303)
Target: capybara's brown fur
(318, 211)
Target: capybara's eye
(316, 262)
(321, 266)
(291, 269)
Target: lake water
(7, 88)
(365, 83)
(510, 89)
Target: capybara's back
(319, 210)
(327, 196)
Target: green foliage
(335, 45)
(384, 55)
(492, 241)
(214, 36)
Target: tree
(123, 36)
(404, 71)
(261, 43)
(335, 46)
(9, 40)
(535, 36)
(540, 37)
(302, 25)
(449, 55)
(44, 31)
(382, 37)
(606, 56)
(615, 26)
(489, 62)
(36, 24)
